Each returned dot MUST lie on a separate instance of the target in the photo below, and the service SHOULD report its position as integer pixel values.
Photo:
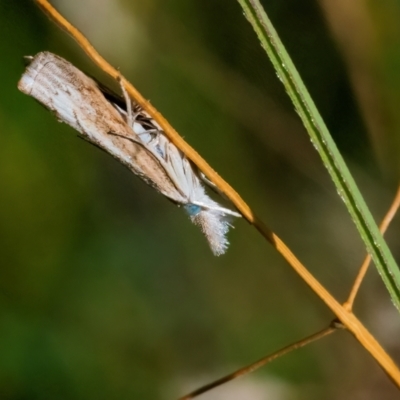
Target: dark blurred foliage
(107, 290)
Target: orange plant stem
(364, 267)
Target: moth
(125, 131)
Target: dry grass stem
(260, 363)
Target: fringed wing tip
(215, 227)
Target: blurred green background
(108, 291)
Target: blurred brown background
(107, 291)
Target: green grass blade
(325, 146)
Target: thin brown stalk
(347, 318)
(260, 363)
(309, 339)
(348, 305)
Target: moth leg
(130, 116)
(155, 137)
(212, 186)
(150, 138)
(222, 210)
(209, 183)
